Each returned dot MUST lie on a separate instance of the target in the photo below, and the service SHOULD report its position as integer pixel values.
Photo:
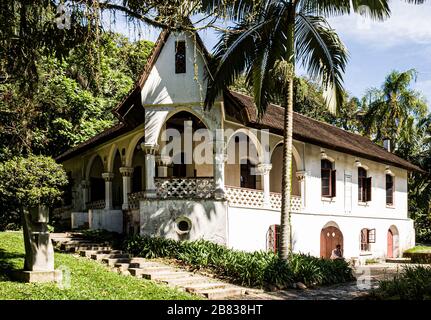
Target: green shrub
(254, 269)
(413, 283)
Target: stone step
(150, 272)
(122, 258)
(398, 260)
(170, 276)
(90, 246)
(220, 293)
(101, 256)
(182, 282)
(88, 253)
(192, 288)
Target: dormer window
(328, 177)
(364, 185)
(180, 57)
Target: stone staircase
(125, 264)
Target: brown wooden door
(329, 238)
(390, 244)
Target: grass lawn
(88, 279)
(425, 249)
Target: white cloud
(408, 23)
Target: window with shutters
(368, 236)
(329, 179)
(364, 186)
(389, 190)
(180, 57)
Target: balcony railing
(185, 188)
(99, 204)
(251, 198)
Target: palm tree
(265, 46)
(392, 112)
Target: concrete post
(126, 172)
(301, 176)
(264, 169)
(85, 188)
(218, 164)
(162, 165)
(108, 176)
(150, 169)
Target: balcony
(99, 204)
(252, 198)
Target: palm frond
(374, 9)
(322, 54)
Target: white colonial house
(346, 189)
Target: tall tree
(266, 44)
(393, 111)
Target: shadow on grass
(7, 265)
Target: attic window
(180, 57)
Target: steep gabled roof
(306, 129)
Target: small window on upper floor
(180, 57)
(364, 186)
(389, 190)
(328, 177)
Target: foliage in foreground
(255, 269)
(27, 182)
(88, 279)
(413, 283)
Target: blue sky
(400, 43)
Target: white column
(162, 165)
(126, 172)
(108, 176)
(264, 169)
(301, 176)
(150, 169)
(218, 164)
(85, 188)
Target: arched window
(364, 185)
(329, 179)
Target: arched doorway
(117, 183)
(392, 242)
(330, 237)
(242, 159)
(97, 183)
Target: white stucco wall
(111, 220)
(79, 219)
(248, 230)
(207, 217)
(344, 164)
(164, 86)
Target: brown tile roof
(312, 131)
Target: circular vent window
(183, 225)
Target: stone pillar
(108, 176)
(163, 163)
(85, 188)
(150, 169)
(301, 175)
(264, 169)
(126, 173)
(218, 164)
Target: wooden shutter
(326, 182)
(368, 189)
(371, 235)
(333, 183)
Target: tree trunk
(285, 224)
